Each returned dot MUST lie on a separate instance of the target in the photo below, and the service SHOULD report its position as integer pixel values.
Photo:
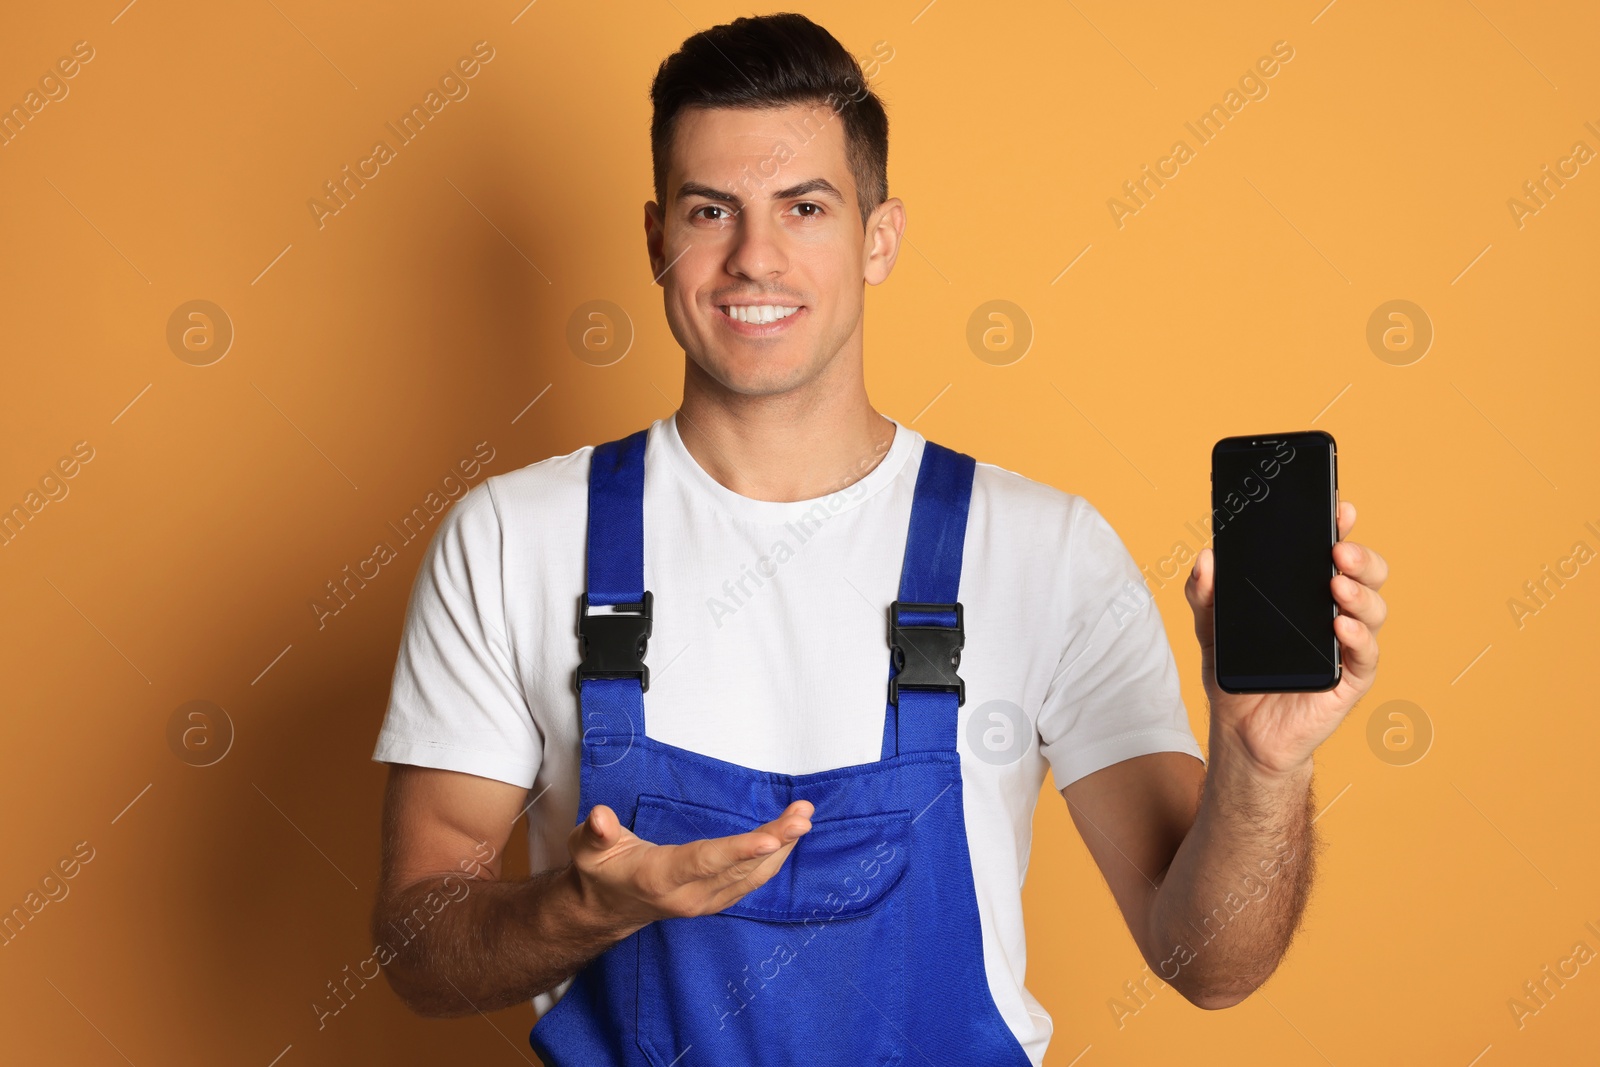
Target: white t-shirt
(769, 649)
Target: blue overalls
(865, 948)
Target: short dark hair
(771, 61)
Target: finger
(1359, 602)
(721, 860)
(601, 831)
(734, 857)
(792, 824)
(1361, 563)
(1346, 517)
(1199, 590)
(781, 833)
(602, 828)
(729, 870)
(784, 832)
(1358, 650)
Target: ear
(881, 246)
(655, 235)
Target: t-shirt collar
(905, 443)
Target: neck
(797, 445)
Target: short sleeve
(455, 702)
(1115, 693)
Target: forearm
(461, 944)
(1229, 904)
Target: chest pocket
(804, 969)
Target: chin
(752, 373)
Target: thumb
(1200, 591)
(599, 832)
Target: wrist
(592, 909)
(1233, 758)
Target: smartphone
(1274, 522)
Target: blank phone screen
(1272, 528)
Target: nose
(758, 249)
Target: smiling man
(777, 680)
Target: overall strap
(926, 628)
(612, 677)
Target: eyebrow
(805, 188)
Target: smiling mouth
(758, 314)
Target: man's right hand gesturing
(464, 939)
(633, 881)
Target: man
(746, 850)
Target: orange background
(372, 353)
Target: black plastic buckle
(613, 645)
(926, 657)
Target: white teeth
(758, 313)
